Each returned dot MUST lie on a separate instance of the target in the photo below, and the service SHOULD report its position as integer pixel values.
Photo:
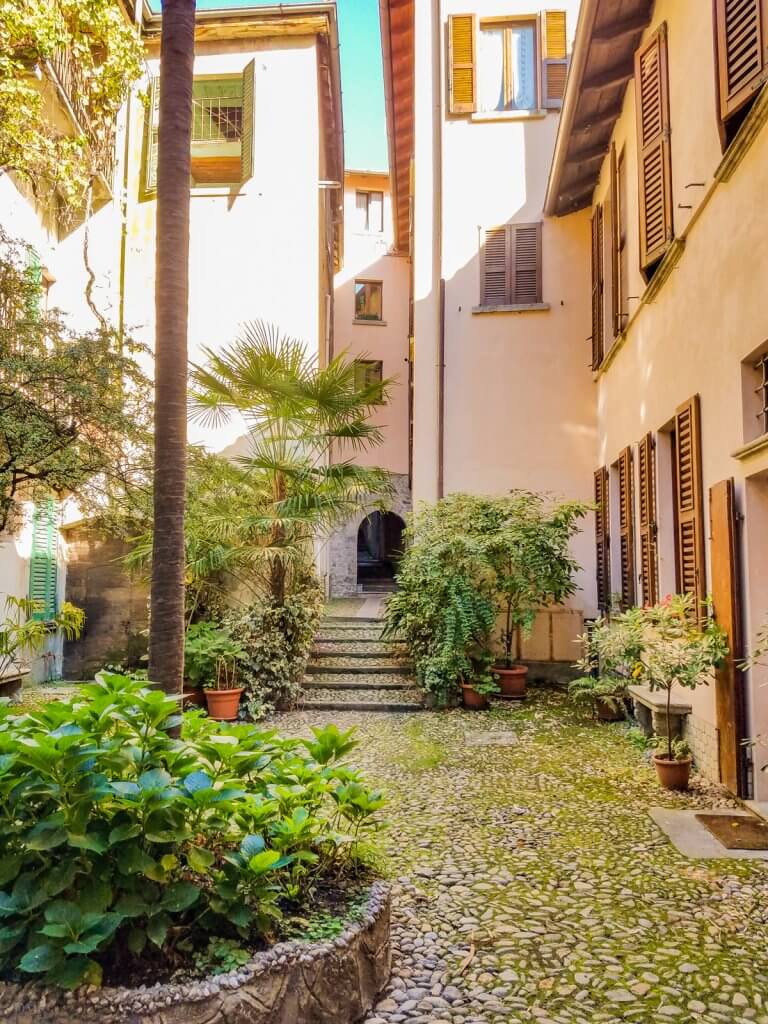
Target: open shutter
(246, 139)
(602, 540)
(597, 287)
(690, 506)
(655, 162)
(152, 127)
(646, 475)
(526, 263)
(496, 263)
(42, 563)
(615, 213)
(742, 51)
(462, 74)
(554, 70)
(627, 528)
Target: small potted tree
(211, 659)
(530, 556)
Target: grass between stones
(531, 884)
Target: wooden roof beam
(611, 79)
(606, 116)
(614, 33)
(589, 153)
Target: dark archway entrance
(379, 547)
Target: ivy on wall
(98, 54)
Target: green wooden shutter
(246, 140)
(34, 275)
(152, 127)
(42, 564)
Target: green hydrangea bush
(134, 839)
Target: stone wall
(334, 982)
(342, 544)
(115, 604)
(704, 740)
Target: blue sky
(365, 140)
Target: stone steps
(360, 665)
(353, 681)
(371, 699)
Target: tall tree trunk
(166, 632)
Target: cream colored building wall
(708, 316)
(519, 399)
(367, 255)
(255, 247)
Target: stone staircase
(353, 669)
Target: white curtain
(523, 70)
(490, 69)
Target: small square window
(368, 372)
(370, 211)
(754, 376)
(368, 300)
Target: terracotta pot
(609, 713)
(512, 681)
(672, 774)
(223, 704)
(472, 699)
(194, 697)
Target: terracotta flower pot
(672, 774)
(472, 699)
(194, 697)
(609, 712)
(223, 704)
(512, 681)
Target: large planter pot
(223, 704)
(332, 982)
(472, 699)
(194, 697)
(512, 681)
(606, 712)
(672, 774)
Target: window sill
(508, 115)
(528, 307)
(760, 444)
(370, 323)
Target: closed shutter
(646, 477)
(602, 540)
(555, 58)
(42, 563)
(511, 265)
(34, 275)
(615, 251)
(152, 122)
(655, 162)
(597, 287)
(627, 528)
(690, 505)
(246, 138)
(462, 75)
(742, 51)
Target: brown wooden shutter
(554, 39)
(649, 561)
(602, 540)
(655, 162)
(742, 51)
(462, 74)
(496, 267)
(690, 506)
(627, 527)
(597, 287)
(526, 263)
(615, 213)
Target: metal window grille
(762, 392)
(217, 118)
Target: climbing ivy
(106, 54)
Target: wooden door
(726, 597)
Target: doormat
(737, 831)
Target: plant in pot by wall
(23, 632)
(529, 553)
(603, 695)
(481, 686)
(211, 659)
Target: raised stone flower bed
(332, 982)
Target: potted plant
(475, 694)
(604, 695)
(672, 762)
(529, 552)
(211, 659)
(223, 694)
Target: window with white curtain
(506, 66)
(370, 211)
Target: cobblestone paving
(530, 883)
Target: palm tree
(295, 413)
(166, 632)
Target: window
(761, 366)
(370, 211)
(511, 266)
(506, 70)
(741, 28)
(368, 304)
(689, 503)
(754, 379)
(222, 130)
(654, 154)
(43, 560)
(602, 539)
(369, 372)
(622, 256)
(598, 348)
(514, 64)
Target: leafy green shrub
(208, 646)
(276, 637)
(121, 844)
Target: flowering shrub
(122, 845)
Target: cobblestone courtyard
(530, 884)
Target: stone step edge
(395, 655)
(320, 639)
(350, 620)
(318, 683)
(341, 705)
(378, 668)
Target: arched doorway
(379, 548)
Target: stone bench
(650, 710)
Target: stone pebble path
(530, 884)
